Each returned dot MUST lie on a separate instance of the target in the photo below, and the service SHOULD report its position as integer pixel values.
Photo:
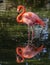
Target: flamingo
(30, 19)
(27, 52)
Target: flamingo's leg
(28, 34)
(32, 36)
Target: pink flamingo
(30, 19)
(27, 52)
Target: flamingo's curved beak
(18, 11)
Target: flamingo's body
(30, 19)
(27, 52)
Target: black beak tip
(17, 12)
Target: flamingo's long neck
(19, 17)
(20, 55)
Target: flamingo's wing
(38, 20)
(33, 53)
(32, 18)
(38, 50)
(27, 20)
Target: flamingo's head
(19, 8)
